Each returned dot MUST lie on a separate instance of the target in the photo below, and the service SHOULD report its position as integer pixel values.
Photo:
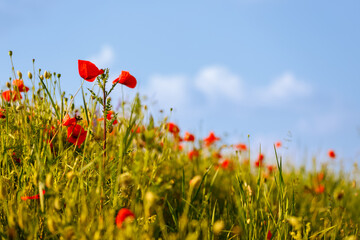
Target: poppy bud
(47, 75)
(19, 74)
(41, 77)
(49, 180)
(10, 53)
(29, 75)
(58, 75)
(8, 85)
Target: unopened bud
(58, 75)
(41, 77)
(47, 75)
(49, 180)
(8, 85)
(29, 75)
(19, 74)
(10, 53)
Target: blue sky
(273, 69)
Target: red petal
(126, 79)
(88, 70)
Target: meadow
(95, 172)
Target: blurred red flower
(269, 235)
(271, 168)
(173, 128)
(259, 161)
(2, 113)
(320, 176)
(122, 215)
(88, 70)
(11, 96)
(37, 196)
(20, 85)
(76, 134)
(241, 147)
(320, 189)
(225, 164)
(126, 79)
(278, 144)
(193, 154)
(109, 117)
(189, 137)
(210, 139)
(67, 121)
(332, 154)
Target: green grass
(147, 173)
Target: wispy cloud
(104, 58)
(283, 88)
(218, 82)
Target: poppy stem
(104, 146)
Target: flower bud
(29, 75)
(218, 227)
(41, 77)
(47, 75)
(8, 85)
(49, 180)
(19, 74)
(58, 75)
(10, 53)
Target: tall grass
(171, 196)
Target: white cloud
(168, 91)
(216, 82)
(283, 88)
(104, 58)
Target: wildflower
(320, 176)
(193, 154)
(271, 168)
(225, 164)
(11, 96)
(173, 128)
(109, 117)
(67, 121)
(15, 157)
(320, 189)
(88, 70)
(76, 134)
(269, 235)
(37, 196)
(2, 113)
(138, 129)
(122, 215)
(278, 144)
(259, 161)
(241, 147)
(20, 85)
(210, 139)
(126, 79)
(189, 137)
(217, 155)
(331, 154)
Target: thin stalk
(104, 112)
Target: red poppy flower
(88, 70)
(20, 85)
(189, 137)
(320, 189)
(225, 164)
(320, 176)
(278, 144)
(271, 168)
(259, 161)
(109, 117)
(2, 113)
(331, 154)
(76, 134)
(269, 235)
(14, 156)
(11, 96)
(37, 196)
(210, 139)
(122, 215)
(241, 147)
(217, 155)
(126, 79)
(173, 128)
(67, 121)
(193, 154)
